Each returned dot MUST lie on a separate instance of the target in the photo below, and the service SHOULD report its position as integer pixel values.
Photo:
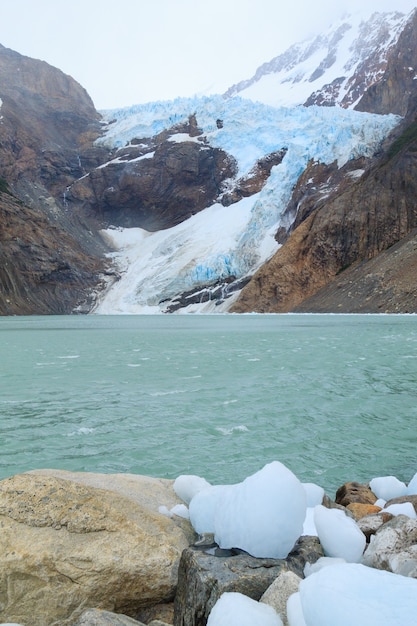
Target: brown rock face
(50, 260)
(156, 187)
(47, 120)
(43, 268)
(393, 93)
(355, 493)
(343, 233)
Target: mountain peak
(331, 69)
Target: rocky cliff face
(352, 246)
(43, 268)
(49, 259)
(155, 183)
(58, 188)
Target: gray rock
(203, 577)
(394, 547)
(402, 499)
(370, 524)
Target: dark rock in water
(202, 578)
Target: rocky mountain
(334, 68)
(177, 206)
(354, 251)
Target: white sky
(132, 51)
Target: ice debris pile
(266, 513)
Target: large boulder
(205, 575)
(67, 546)
(394, 547)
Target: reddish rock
(360, 510)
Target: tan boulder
(277, 594)
(68, 544)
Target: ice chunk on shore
(314, 493)
(187, 485)
(295, 615)
(235, 609)
(403, 508)
(388, 487)
(352, 593)
(412, 486)
(204, 505)
(339, 534)
(262, 515)
(323, 561)
(309, 527)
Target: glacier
(224, 243)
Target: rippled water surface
(334, 397)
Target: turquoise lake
(333, 397)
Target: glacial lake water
(333, 397)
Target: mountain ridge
(334, 68)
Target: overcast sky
(131, 51)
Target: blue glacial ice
(235, 240)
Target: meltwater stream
(333, 397)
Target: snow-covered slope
(224, 244)
(333, 68)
